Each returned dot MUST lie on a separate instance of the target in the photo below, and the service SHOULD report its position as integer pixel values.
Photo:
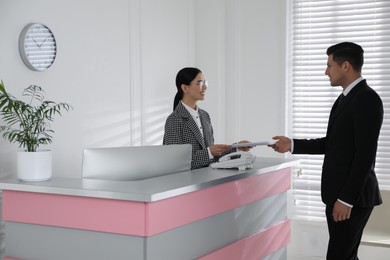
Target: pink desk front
(202, 214)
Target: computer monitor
(135, 162)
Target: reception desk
(203, 214)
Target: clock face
(37, 46)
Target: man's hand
(282, 145)
(341, 212)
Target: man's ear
(346, 65)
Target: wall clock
(37, 46)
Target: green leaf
(26, 123)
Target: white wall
(241, 46)
(117, 62)
(91, 72)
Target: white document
(253, 144)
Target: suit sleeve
(309, 146)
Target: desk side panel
(219, 231)
(255, 246)
(181, 210)
(104, 215)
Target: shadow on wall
(115, 127)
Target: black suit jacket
(349, 147)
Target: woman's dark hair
(184, 76)
(347, 51)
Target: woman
(188, 124)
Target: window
(314, 26)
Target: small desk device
(135, 162)
(240, 160)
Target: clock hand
(36, 42)
(43, 42)
(40, 45)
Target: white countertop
(147, 190)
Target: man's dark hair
(347, 51)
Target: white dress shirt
(195, 115)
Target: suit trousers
(345, 236)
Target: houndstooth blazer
(180, 128)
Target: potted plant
(28, 123)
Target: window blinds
(316, 25)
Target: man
(349, 187)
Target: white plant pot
(34, 166)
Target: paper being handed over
(253, 144)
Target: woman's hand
(218, 149)
(244, 148)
